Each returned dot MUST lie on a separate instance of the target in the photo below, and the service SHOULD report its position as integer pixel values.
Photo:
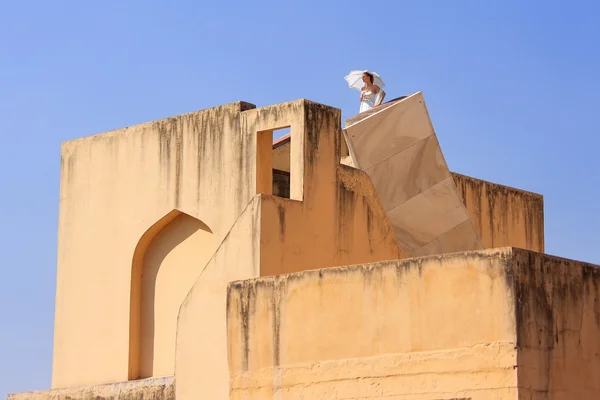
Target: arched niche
(167, 261)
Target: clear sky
(512, 88)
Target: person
(371, 95)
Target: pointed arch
(167, 260)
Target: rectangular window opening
(282, 142)
(273, 158)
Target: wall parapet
(162, 388)
(486, 324)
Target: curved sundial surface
(396, 145)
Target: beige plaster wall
(125, 196)
(503, 216)
(201, 367)
(430, 328)
(339, 220)
(118, 190)
(276, 235)
(171, 265)
(343, 224)
(559, 327)
(495, 324)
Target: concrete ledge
(147, 389)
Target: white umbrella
(354, 79)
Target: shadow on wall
(167, 261)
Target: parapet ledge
(242, 105)
(505, 254)
(152, 388)
(475, 180)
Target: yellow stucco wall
(276, 235)
(339, 220)
(558, 315)
(479, 325)
(143, 210)
(201, 367)
(171, 265)
(118, 190)
(344, 224)
(503, 216)
(426, 328)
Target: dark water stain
(277, 288)
(245, 310)
(548, 290)
(320, 121)
(370, 218)
(213, 132)
(281, 221)
(256, 231)
(345, 206)
(71, 163)
(506, 207)
(552, 295)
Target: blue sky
(512, 88)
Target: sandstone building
(199, 259)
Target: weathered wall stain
(557, 313)
(282, 221)
(320, 120)
(502, 215)
(345, 207)
(276, 322)
(357, 182)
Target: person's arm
(381, 97)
